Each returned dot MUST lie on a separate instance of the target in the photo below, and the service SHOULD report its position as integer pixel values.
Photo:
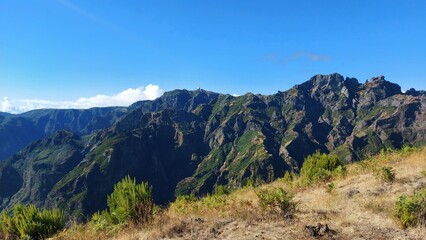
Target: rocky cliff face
(190, 141)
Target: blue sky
(63, 51)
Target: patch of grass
(183, 203)
(385, 157)
(189, 204)
(86, 231)
(221, 190)
(375, 206)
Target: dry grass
(359, 206)
(362, 206)
(78, 232)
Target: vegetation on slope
(129, 202)
(30, 222)
(410, 210)
(356, 204)
(193, 141)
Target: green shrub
(213, 201)
(249, 183)
(276, 200)
(407, 149)
(221, 190)
(386, 174)
(101, 221)
(131, 202)
(7, 228)
(411, 210)
(340, 171)
(321, 167)
(288, 177)
(182, 202)
(331, 187)
(30, 222)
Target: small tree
(131, 201)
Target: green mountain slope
(191, 141)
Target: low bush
(128, 203)
(406, 149)
(220, 190)
(131, 202)
(7, 227)
(288, 177)
(330, 187)
(101, 221)
(321, 167)
(386, 174)
(277, 200)
(183, 202)
(249, 184)
(213, 201)
(30, 222)
(411, 210)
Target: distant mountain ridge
(191, 141)
(19, 130)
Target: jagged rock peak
(414, 92)
(320, 81)
(378, 78)
(333, 78)
(380, 85)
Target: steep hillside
(30, 175)
(191, 141)
(17, 131)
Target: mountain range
(192, 141)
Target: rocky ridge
(191, 141)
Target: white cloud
(6, 106)
(124, 98)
